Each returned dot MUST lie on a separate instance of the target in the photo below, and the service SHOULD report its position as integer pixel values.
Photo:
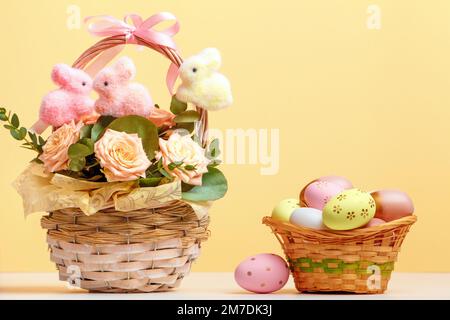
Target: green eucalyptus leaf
(33, 137)
(144, 128)
(3, 116)
(172, 166)
(99, 128)
(88, 143)
(186, 187)
(23, 133)
(85, 131)
(177, 106)
(41, 141)
(15, 121)
(97, 131)
(37, 160)
(9, 127)
(159, 164)
(187, 117)
(189, 127)
(77, 164)
(213, 149)
(190, 167)
(175, 164)
(17, 134)
(214, 186)
(78, 151)
(149, 182)
(214, 163)
(165, 173)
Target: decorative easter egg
(392, 204)
(307, 217)
(348, 210)
(302, 201)
(343, 182)
(262, 273)
(283, 209)
(318, 193)
(375, 222)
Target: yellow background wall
(371, 105)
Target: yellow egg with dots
(348, 210)
(283, 210)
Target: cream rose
(121, 155)
(55, 151)
(182, 149)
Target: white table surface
(218, 286)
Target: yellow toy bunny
(202, 84)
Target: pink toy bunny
(117, 96)
(70, 102)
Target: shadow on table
(279, 292)
(295, 292)
(40, 289)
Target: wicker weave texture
(138, 251)
(341, 261)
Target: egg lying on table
(392, 204)
(318, 193)
(348, 210)
(262, 273)
(307, 217)
(284, 209)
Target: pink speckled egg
(318, 193)
(343, 182)
(262, 273)
(375, 222)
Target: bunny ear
(212, 58)
(125, 69)
(61, 74)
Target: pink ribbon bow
(107, 26)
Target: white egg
(307, 217)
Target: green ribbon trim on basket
(338, 266)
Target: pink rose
(55, 151)
(122, 156)
(162, 117)
(183, 149)
(90, 118)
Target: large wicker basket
(138, 251)
(358, 261)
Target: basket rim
(336, 234)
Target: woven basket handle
(110, 42)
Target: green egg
(284, 209)
(348, 210)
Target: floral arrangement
(123, 135)
(151, 151)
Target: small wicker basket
(138, 251)
(358, 261)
